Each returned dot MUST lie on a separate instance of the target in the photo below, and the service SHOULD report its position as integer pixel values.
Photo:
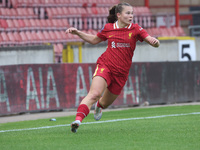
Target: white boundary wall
(168, 51)
(26, 55)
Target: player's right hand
(71, 30)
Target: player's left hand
(152, 41)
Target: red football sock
(82, 112)
(99, 105)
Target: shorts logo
(102, 69)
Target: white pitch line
(115, 120)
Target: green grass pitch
(154, 128)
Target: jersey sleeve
(102, 34)
(142, 33)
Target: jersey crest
(129, 35)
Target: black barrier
(168, 82)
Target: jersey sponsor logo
(115, 45)
(123, 44)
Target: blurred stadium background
(42, 68)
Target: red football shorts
(114, 83)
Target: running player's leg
(107, 99)
(109, 96)
(97, 88)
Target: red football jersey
(121, 46)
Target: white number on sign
(187, 50)
(184, 54)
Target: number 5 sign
(187, 50)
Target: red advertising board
(39, 87)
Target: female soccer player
(113, 65)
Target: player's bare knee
(94, 96)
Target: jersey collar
(115, 25)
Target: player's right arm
(90, 38)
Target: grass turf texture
(174, 132)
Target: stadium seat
(62, 3)
(11, 37)
(36, 3)
(27, 24)
(11, 25)
(21, 24)
(47, 37)
(24, 39)
(58, 52)
(155, 32)
(59, 36)
(76, 3)
(53, 36)
(21, 13)
(31, 13)
(30, 38)
(49, 23)
(48, 3)
(180, 31)
(35, 37)
(55, 12)
(65, 23)
(38, 23)
(3, 24)
(49, 13)
(33, 24)
(56, 23)
(43, 23)
(58, 48)
(41, 37)
(102, 3)
(16, 24)
(1, 40)
(17, 37)
(6, 13)
(103, 11)
(65, 11)
(170, 32)
(63, 35)
(46, 24)
(94, 32)
(60, 13)
(5, 39)
(73, 12)
(28, 19)
(143, 16)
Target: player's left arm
(152, 41)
